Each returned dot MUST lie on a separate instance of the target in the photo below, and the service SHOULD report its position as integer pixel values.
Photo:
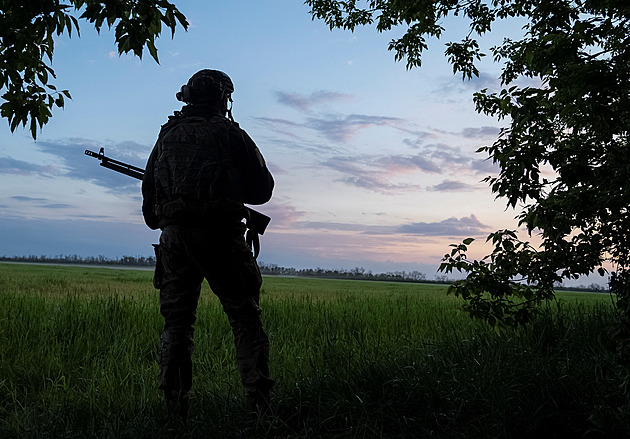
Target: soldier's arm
(258, 182)
(148, 193)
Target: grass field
(351, 359)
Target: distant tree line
(356, 273)
(137, 261)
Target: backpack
(194, 173)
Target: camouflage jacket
(202, 169)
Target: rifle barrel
(127, 170)
(119, 165)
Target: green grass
(351, 359)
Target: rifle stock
(256, 221)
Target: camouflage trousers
(185, 257)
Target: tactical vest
(195, 178)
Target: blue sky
(375, 165)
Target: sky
(375, 165)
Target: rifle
(256, 222)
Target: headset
(206, 81)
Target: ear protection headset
(184, 94)
(191, 92)
(204, 84)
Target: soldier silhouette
(202, 170)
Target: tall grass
(351, 359)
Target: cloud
(28, 199)
(366, 172)
(346, 164)
(451, 186)
(446, 154)
(451, 227)
(323, 225)
(293, 137)
(434, 157)
(363, 229)
(12, 166)
(281, 126)
(480, 132)
(57, 206)
(377, 185)
(304, 103)
(341, 129)
(41, 202)
(334, 129)
(466, 226)
(406, 163)
(419, 138)
(375, 172)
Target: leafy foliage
(564, 159)
(27, 31)
(507, 285)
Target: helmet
(206, 86)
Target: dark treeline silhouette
(138, 261)
(356, 273)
